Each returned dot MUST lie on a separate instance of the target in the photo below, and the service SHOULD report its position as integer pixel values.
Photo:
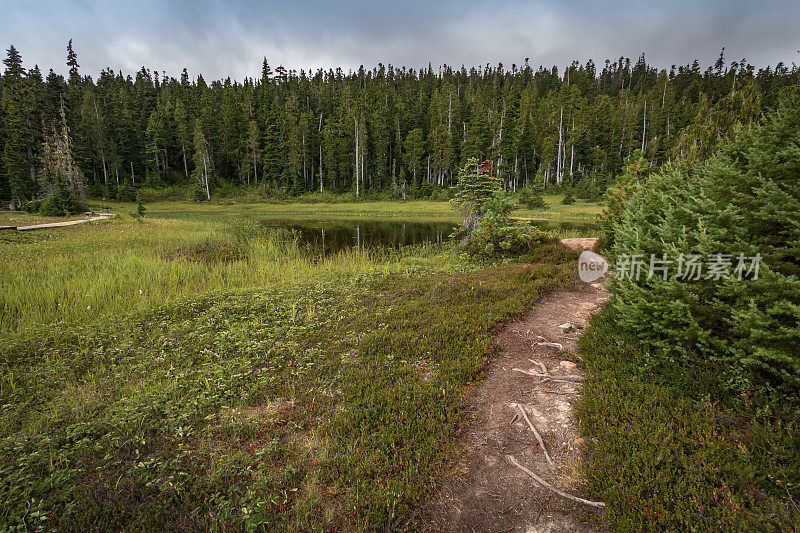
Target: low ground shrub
(665, 458)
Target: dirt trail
(485, 492)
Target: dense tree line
(385, 129)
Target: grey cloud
(219, 38)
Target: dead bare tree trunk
(102, 151)
(319, 130)
(185, 164)
(644, 127)
(205, 176)
(560, 140)
(355, 121)
(572, 151)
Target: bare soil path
(485, 490)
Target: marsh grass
(580, 211)
(250, 385)
(123, 265)
(183, 249)
(21, 218)
(418, 210)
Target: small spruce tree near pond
(487, 228)
(532, 196)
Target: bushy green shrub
(531, 197)
(33, 206)
(487, 228)
(170, 193)
(126, 193)
(744, 201)
(498, 234)
(616, 197)
(590, 188)
(440, 195)
(140, 208)
(568, 198)
(425, 190)
(60, 203)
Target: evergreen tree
(61, 178)
(18, 182)
(252, 155)
(297, 131)
(414, 149)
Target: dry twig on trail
(535, 432)
(540, 365)
(557, 345)
(547, 485)
(548, 377)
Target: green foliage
(532, 196)
(293, 131)
(324, 404)
(617, 197)
(589, 189)
(127, 193)
(476, 186)
(744, 202)
(568, 198)
(60, 203)
(498, 234)
(691, 406)
(16, 129)
(487, 228)
(33, 206)
(664, 458)
(140, 208)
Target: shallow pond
(330, 236)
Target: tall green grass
(82, 272)
(183, 249)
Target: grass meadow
(197, 369)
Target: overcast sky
(230, 38)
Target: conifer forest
(374, 130)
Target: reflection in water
(330, 236)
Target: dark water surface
(330, 236)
